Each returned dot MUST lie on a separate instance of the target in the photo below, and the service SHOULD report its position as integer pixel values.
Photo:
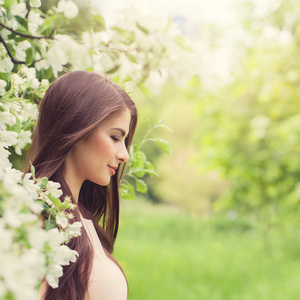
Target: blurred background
(222, 219)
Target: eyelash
(115, 138)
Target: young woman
(84, 131)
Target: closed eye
(115, 138)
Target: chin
(103, 182)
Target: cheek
(103, 146)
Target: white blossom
(44, 82)
(19, 10)
(35, 83)
(63, 255)
(53, 274)
(6, 118)
(53, 189)
(13, 24)
(30, 185)
(35, 207)
(17, 81)
(74, 229)
(42, 64)
(24, 138)
(4, 162)
(35, 3)
(8, 138)
(69, 8)
(73, 255)
(54, 238)
(6, 239)
(27, 218)
(2, 86)
(34, 21)
(29, 111)
(62, 221)
(29, 72)
(93, 40)
(37, 238)
(12, 217)
(56, 58)
(6, 64)
(15, 174)
(20, 50)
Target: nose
(123, 155)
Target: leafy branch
(139, 166)
(13, 59)
(50, 37)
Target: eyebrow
(121, 131)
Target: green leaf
(32, 169)
(21, 21)
(114, 69)
(54, 200)
(127, 191)
(163, 145)
(99, 22)
(137, 163)
(47, 74)
(141, 186)
(127, 34)
(142, 28)
(138, 171)
(140, 174)
(163, 126)
(43, 182)
(49, 224)
(29, 55)
(63, 205)
(151, 172)
(7, 4)
(17, 127)
(131, 58)
(149, 165)
(140, 156)
(49, 22)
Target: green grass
(167, 254)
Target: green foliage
(138, 165)
(184, 257)
(251, 134)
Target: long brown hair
(72, 107)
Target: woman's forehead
(119, 119)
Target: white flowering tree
(39, 41)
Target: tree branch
(10, 54)
(15, 61)
(27, 35)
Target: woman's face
(96, 157)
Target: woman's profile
(84, 130)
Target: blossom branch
(27, 35)
(15, 61)
(9, 53)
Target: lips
(112, 169)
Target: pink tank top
(107, 281)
